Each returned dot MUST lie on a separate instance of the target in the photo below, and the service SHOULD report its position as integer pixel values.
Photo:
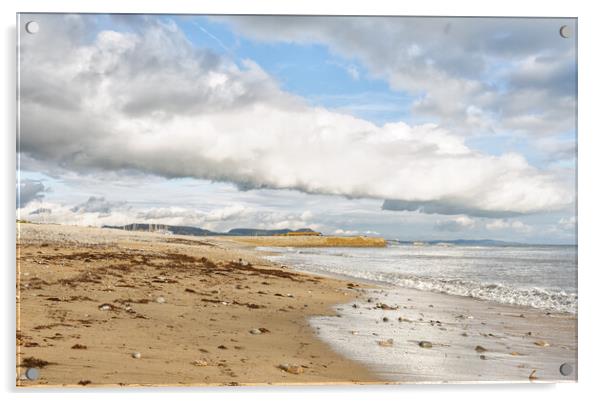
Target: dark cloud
(42, 210)
(29, 190)
(442, 207)
(97, 205)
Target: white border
(590, 329)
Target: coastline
(89, 298)
(337, 329)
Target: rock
(386, 307)
(105, 307)
(464, 334)
(385, 319)
(425, 344)
(255, 331)
(541, 343)
(478, 348)
(200, 362)
(385, 343)
(160, 300)
(294, 369)
(136, 355)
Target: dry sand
(200, 334)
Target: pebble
(425, 344)
(200, 362)
(385, 319)
(136, 355)
(255, 331)
(478, 348)
(105, 307)
(385, 343)
(160, 300)
(542, 343)
(294, 369)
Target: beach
(105, 307)
(90, 298)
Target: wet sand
(407, 335)
(90, 299)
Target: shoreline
(334, 331)
(509, 343)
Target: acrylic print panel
(214, 200)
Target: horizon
(417, 128)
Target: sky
(410, 128)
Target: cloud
(29, 190)
(149, 101)
(516, 225)
(568, 223)
(96, 205)
(515, 73)
(458, 224)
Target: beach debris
(260, 330)
(136, 355)
(478, 348)
(160, 300)
(200, 362)
(385, 343)
(32, 362)
(425, 344)
(105, 307)
(291, 368)
(542, 343)
(532, 375)
(386, 307)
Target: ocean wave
(548, 299)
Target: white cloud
(515, 225)
(151, 102)
(456, 65)
(456, 224)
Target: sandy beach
(103, 307)
(90, 298)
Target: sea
(539, 276)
